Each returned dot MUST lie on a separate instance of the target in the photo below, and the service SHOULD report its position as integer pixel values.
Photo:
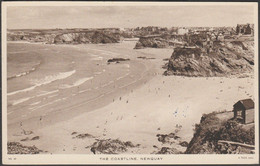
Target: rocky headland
(66, 36)
(219, 133)
(217, 59)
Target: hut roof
(246, 103)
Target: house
(245, 29)
(182, 31)
(244, 111)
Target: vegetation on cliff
(212, 129)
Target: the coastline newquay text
(131, 158)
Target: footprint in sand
(104, 132)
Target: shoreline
(155, 104)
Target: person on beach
(21, 127)
(40, 120)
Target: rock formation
(220, 59)
(66, 37)
(212, 129)
(159, 41)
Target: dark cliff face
(153, 42)
(88, 37)
(219, 59)
(159, 41)
(67, 37)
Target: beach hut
(244, 111)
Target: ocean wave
(77, 83)
(93, 55)
(21, 100)
(24, 73)
(105, 51)
(35, 103)
(44, 81)
(28, 98)
(49, 103)
(48, 93)
(97, 58)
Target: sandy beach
(131, 101)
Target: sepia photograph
(130, 83)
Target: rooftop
(247, 103)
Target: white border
(95, 159)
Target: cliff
(159, 41)
(86, 37)
(65, 37)
(218, 59)
(214, 129)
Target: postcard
(130, 83)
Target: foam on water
(21, 100)
(47, 93)
(93, 55)
(84, 91)
(119, 78)
(51, 78)
(23, 90)
(24, 73)
(77, 83)
(105, 51)
(97, 58)
(35, 103)
(28, 98)
(17, 52)
(49, 103)
(44, 81)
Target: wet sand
(131, 100)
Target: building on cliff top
(244, 111)
(245, 29)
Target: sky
(44, 17)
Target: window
(239, 113)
